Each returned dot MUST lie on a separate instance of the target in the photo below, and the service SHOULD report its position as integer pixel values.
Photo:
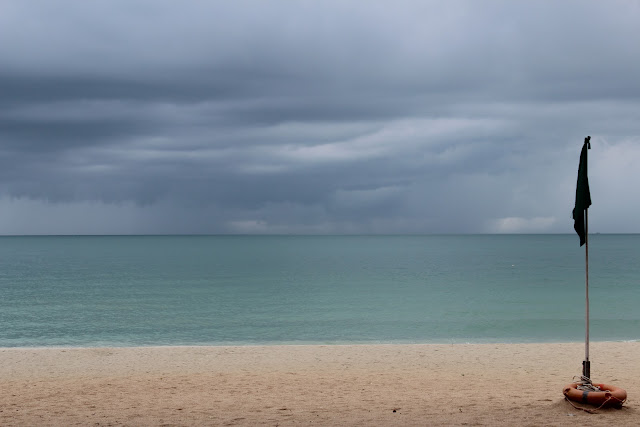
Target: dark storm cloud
(350, 116)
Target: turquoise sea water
(196, 290)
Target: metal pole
(586, 365)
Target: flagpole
(586, 365)
(581, 225)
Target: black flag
(583, 196)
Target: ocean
(245, 290)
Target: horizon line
(306, 234)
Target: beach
(386, 384)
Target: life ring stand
(608, 396)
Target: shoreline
(313, 344)
(350, 384)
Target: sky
(317, 117)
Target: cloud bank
(126, 117)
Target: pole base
(586, 369)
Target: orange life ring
(609, 396)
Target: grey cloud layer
(313, 116)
